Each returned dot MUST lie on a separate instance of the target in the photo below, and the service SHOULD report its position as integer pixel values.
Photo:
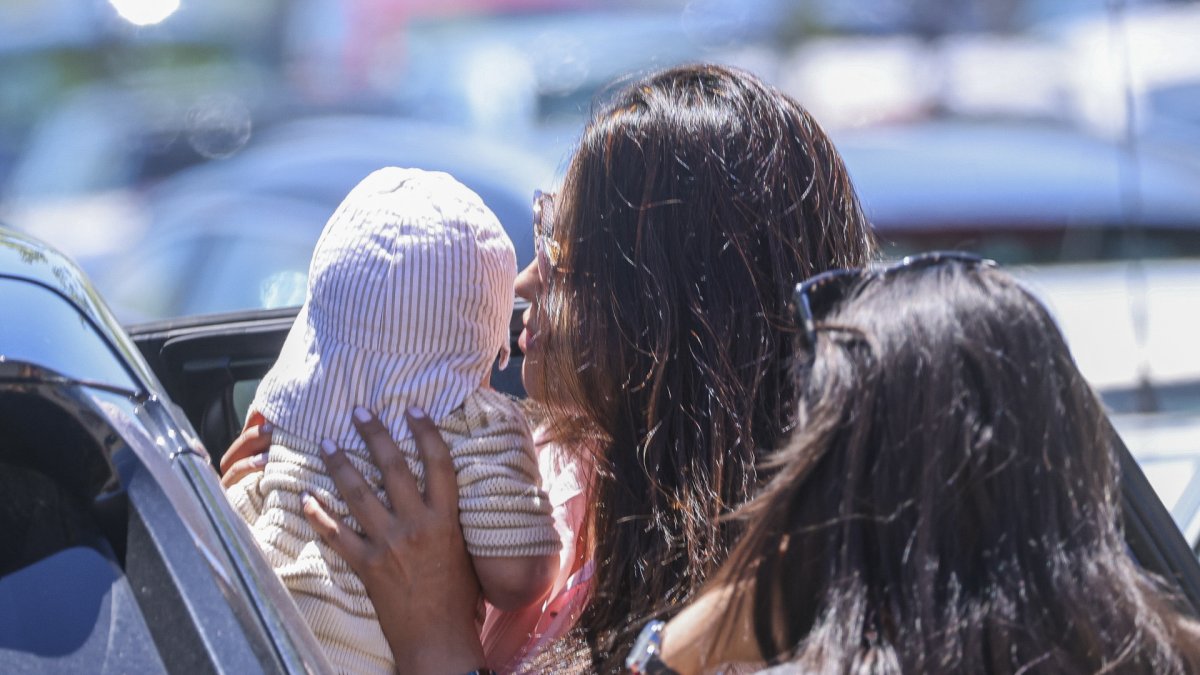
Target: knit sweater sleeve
(502, 507)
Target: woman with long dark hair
(691, 208)
(657, 345)
(949, 503)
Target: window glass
(43, 329)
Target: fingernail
(266, 428)
(361, 414)
(328, 447)
(306, 498)
(259, 460)
(416, 413)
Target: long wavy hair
(950, 501)
(697, 198)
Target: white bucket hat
(410, 295)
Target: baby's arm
(505, 514)
(511, 583)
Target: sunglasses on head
(815, 296)
(544, 246)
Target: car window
(44, 329)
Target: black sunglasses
(815, 296)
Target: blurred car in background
(1107, 235)
(93, 157)
(1022, 193)
(239, 234)
(536, 75)
(101, 99)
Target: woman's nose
(528, 281)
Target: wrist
(439, 653)
(646, 657)
(442, 663)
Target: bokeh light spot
(145, 12)
(218, 126)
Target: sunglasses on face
(544, 246)
(815, 296)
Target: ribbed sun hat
(410, 294)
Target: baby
(410, 294)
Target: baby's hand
(248, 452)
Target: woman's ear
(254, 419)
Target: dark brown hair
(697, 198)
(950, 503)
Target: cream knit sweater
(503, 510)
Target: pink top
(510, 637)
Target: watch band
(646, 656)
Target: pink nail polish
(361, 414)
(328, 447)
(416, 413)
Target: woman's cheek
(532, 370)
(532, 376)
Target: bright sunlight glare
(145, 12)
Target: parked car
(122, 554)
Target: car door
(120, 552)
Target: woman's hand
(413, 560)
(248, 452)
